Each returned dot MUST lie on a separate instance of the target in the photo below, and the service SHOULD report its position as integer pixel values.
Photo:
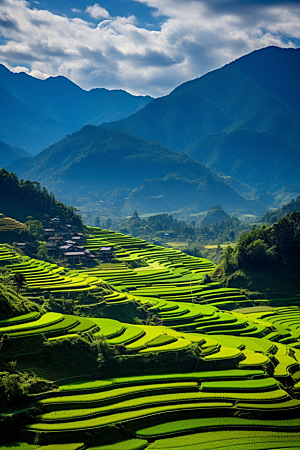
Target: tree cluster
(157, 226)
(225, 230)
(267, 247)
(20, 199)
(167, 227)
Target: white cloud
(195, 37)
(37, 74)
(16, 69)
(76, 10)
(97, 12)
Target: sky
(141, 46)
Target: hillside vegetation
(94, 163)
(273, 215)
(21, 199)
(216, 226)
(266, 258)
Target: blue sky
(142, 46)
(77, 8)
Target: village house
(106, 253)
(79, 256)
(64, 243)
(54, 223)
(49, 232)
(79, 238)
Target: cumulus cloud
(7, 21)
(97, 12)
(195, 36)
(16, 69)
(35, 73)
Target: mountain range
(36, 113)
(242, 119)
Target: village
(65, 243)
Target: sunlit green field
(246, 378)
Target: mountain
(215, 214)
(9, 153)
(36, 113)
(242, 119)
(259, 159)
(26, 127)
(100, 164)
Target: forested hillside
(157, 226)
(216, 226)
(94, 163)
(266, 258)
(20, 199)
(273, 215)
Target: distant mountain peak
(61, 107)
(242, 119)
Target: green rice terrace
(8, 224)
(208, 369)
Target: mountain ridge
(95, 161)
(63, 103)
(229, 99)
(10, 153)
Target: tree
(228, 259)
(35, 228)
(231, 235)
(256, 256)
(42, 253)
(19, 281)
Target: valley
(162, 309)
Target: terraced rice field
(252, 383)
(246, 378)
(8, 224)
(160, 399)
